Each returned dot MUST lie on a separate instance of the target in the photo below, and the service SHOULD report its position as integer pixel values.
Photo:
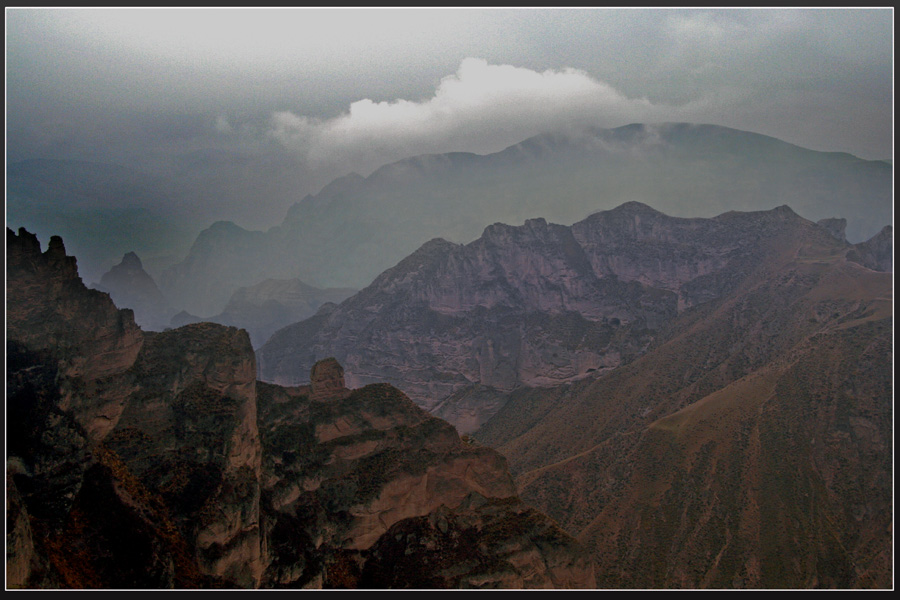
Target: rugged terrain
(745, 443)
(534, 305)
(156, 460)
(750, 446)
(356, 227)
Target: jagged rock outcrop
(48, 310)
(357, 227)
(326, 380)
(478, 545)
(535, 305)
(115, 427)
(158, 461)
(343, 475)
(130, 286)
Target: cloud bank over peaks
(481, 108)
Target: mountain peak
(635, 207)
(131, 261)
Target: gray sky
(349, 90)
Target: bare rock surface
(536, 305)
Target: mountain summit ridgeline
(357, 227)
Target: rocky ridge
(156, 460)
(357, 227)
(750, 447)
(535, 305)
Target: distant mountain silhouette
(357, 227)
(268, 306)
(130, 286)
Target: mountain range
(356, 227)
(653, 357)
(740, 434)
(749, 447)
(268, 306)
(535, 305)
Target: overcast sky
(349, 90)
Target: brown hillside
(751, 447)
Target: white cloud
(480, 108)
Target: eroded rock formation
(533, 305)
(156, 460)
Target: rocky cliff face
(155, 460)
(127, 433)
(347, 470)
(50, 312)
(520, 305)
(534, 305)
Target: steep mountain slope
(749, 447)
(535, 305)
(357, 227)
(155, 460)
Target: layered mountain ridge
(357, 227)
(534, 305)
(156, 460)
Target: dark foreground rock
(156, 460)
